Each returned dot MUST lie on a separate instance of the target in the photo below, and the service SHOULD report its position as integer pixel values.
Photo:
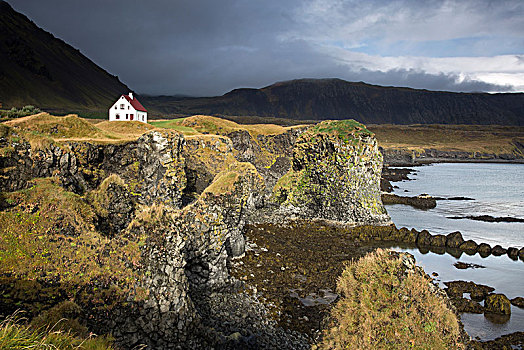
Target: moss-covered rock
(454, 239)
(424, 239)
(438, 241)
(469, 247)
(335, 175)
(497, 304)
(484, 249)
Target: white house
(128, 108)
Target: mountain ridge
(334, 98)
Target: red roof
(136, 105)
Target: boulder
(470, 247)
(424, 239)
(518, 301)
(438, 241)
(454, 239)
(497, 304)
(513, 253)
(521, 253)
(498, 250)
(484, 249)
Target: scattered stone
(469, 247)
(484, 249)
(454, 239)
(518, 301)
(438, 241)
(498, 250)
(497, 304)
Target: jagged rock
(454, 239)
(438, 241)
(497, 304)
(518, 301)
(498, 250)
(470, 247)
(424, 239)
(484, 249)
(513, 253)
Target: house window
(116, 107)
(117, 116)
(127, 107)
(121, 106)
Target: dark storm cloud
(209, 47)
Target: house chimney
(131, 95)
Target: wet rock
(498, 250)
(454, 239)
(521, 253)
(484, 249)
(458, 288)
(469, 247)
(466, 305)
(438, 241)
(513, 253)
(424, 239)
(419, 202)
(518, 301)
(462, 266)
(497, 304)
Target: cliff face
(181, 204)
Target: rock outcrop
(335, 175)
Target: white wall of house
(122, 110)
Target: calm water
(498, 190)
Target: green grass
(15, 335)
(341, 128)
(382, 307)
(174, 124)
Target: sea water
(497, 190)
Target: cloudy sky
(208, 47)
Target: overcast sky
(208, 47)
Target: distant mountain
(37, 68)
(318, 99)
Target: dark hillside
(320, 99)
(37, 68)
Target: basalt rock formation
(176, 206)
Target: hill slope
(321, 99)
(37, 68)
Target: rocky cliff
(171, 210)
